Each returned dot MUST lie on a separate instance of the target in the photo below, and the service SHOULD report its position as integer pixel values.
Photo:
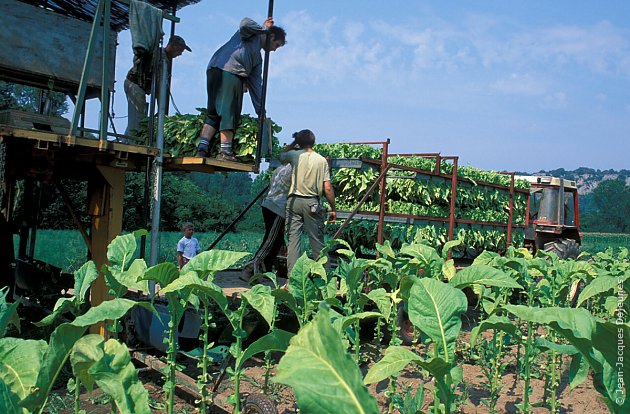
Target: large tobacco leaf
(323, 375)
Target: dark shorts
(225, 99)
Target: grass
(597, 242)
(66, 249)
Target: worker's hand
(332, 216)
(268, 22)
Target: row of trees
(210, 201)
(609, 209)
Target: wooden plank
(69, 140)
(106, 208)
(183, 381)
(199, 164)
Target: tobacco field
(529, 321)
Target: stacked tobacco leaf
(181, 135)
(419, 194)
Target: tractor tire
(564, 248)
(259, 404)
(405, 328)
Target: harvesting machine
(552, 218)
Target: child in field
(188, 246)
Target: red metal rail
(384, 166)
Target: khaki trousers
(304, 214)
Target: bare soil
(583, 399)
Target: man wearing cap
(234, 69)
(138, 81)
(309, 182)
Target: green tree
(28, 98)
(611, 199)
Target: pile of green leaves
(419, 194)
(182, 135)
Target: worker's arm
(329, 192)
(249, 28)
(180, 259)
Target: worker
(138, 81)
(273, 211)
(236, 67)
(309, 181)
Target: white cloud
(520, 84)
(556, 100)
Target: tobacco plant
(436, 307)
(276, 340)
(29, 368)
(323, 375)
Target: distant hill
(587, 178)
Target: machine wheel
(259, 404)
(406, 330)
(564, 248)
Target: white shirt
(188, 247)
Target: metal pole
(511, 211)
(157, 176)
(263, 98)
(87, 63)
(383, 195)
(105, 77)
(451, 220)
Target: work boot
(224, 156)
(201, 153)
(248, 272)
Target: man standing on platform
(138, 81)
(234, 69)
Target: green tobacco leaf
(396, 358)
(301, 287)
(424, 257)
(191, 281)
(63, 339)
(116, 375)
(83, 279)
(448, 246)
(349, 320)
(323, 376)
(62, 306)
(448, 269)
(260, 298)
(599, 285)
(285, 297)
(435, 308)
(121, 250)
(498, 323)
(276, 340)
(483, 275)
(578, 371)
(608, 339)
(20, 362)
(546, 345)
(383, 301)
(213, 261)
(84, 353)
(163, 274)
(8, 313)
(132, 278)
(575, 325)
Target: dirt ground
(583, 399)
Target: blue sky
(505, 85)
